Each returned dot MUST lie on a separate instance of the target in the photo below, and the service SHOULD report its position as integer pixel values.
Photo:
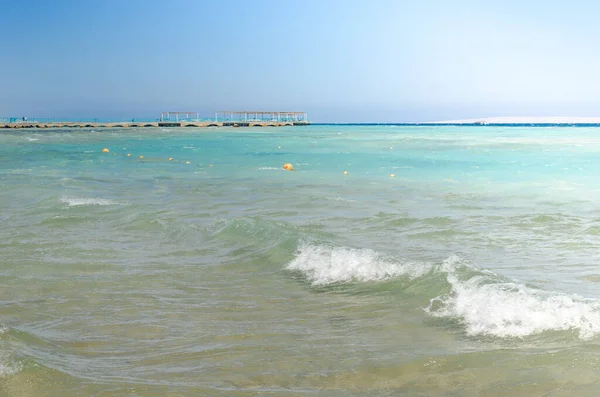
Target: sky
(340, 61)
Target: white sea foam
(75, 201)
(8, 366)
(328, 265)
(488, 305)
(483, 302)
(9, 369)
(31, 139)
(268, 168)
(343, 200)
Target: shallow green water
(474, 271)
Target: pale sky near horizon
(341, 61)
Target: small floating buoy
(278, 147)
(170, 158)
(288, 166)
(393, 175)
(345, 172)
(391, 148)
(211, 165)
(187, 162)
(124, 148)
(105, 150)
(141, 157)
(128, 154)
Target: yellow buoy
(288, 166)
(105, 150)
(393, 175)
(128, 154)
(345, 172)
(187, 162)
(141, 157)
(170, 158)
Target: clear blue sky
(338, 60)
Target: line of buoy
(286, 166)
(107, 150)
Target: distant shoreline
(495, 122)
(522, 120)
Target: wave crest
(488, 305)
(75, 201)
(483, 302)
(327, 265)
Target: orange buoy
(288, 166)
(170, 158)
(393, 175)
(187, 162)
(128, 154)
(105, 150)
(345, 172)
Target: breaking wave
(324, 265)
(75, 201)
(483, 302)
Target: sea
(393, 261)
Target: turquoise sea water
(474, 271)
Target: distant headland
(522, 120)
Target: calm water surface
(474, 271)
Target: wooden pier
(199, 124)
(180, 119)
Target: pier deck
(26, 124)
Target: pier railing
(260, 116)
(185, 119)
